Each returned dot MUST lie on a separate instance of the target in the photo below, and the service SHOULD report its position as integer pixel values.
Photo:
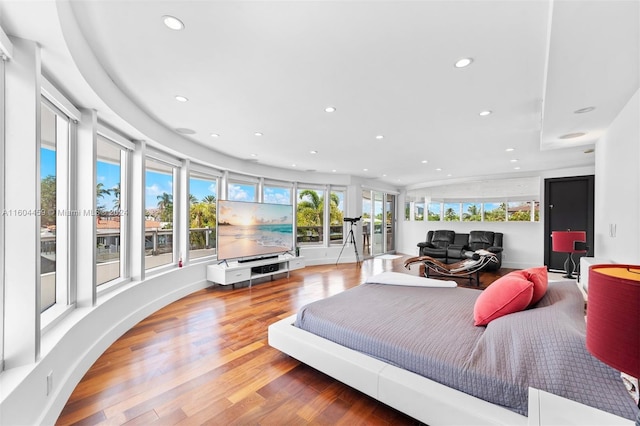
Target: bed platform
(418, 396)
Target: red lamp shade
(613, 316)
(563, 241)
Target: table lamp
(564, 242)
(613, 317)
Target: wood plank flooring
(205, 359)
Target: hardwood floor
(205, 359)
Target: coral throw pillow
(508, 294)
(540, 279)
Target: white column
(86, 205)
(22, 201)
(136, 217)
(181, 213)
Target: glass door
(378, 222)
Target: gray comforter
(430, 331)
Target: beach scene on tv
(253, 229)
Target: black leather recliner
(436, 244)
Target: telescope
(352, 219)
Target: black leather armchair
(436, 244)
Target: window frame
(53, 99)
(126, 148)
(203, 174)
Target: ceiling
(387, 67)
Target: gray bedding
(430, 331)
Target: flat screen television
(249, 231)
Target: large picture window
(310, 217)
(111, 210)
(159, 212)
(203, 195)
(336, 217)
(54, 207)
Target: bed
(416, 349)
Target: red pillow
(508, 294)
(540, 279)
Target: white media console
(233, 272)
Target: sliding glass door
(378, 222)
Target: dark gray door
(569, 204)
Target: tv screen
(253, 230)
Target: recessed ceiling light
(293, 165)
(510, 149)
(485, 113)
(215, 135)
(254, 155)
(438, 169)
(365, 170)
(449, 175)
(184, 131)
(330, 109)
(516, 168)
(379, 137)
(172, 22)
(464, 62)
(583, 110)
(258, 134)
(334, 170)
(313, 152)
(424, 161)
(384, 175)
(572, 135)
(181, 98)
(514, 160)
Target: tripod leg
(343, 246)
(355, 246)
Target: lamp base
(569, 267)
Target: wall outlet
(49, 382)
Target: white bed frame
(422, 398)
(410, 393)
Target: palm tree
(116, 194)
(209, 199)
(100, 193)
(193, 199)
(165, 204)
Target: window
(2, 206)
(276, 195)
(158, 242)
(452, 212)
(418, 210)
(310, 217)
(203, 194)
(237, 191)
(111, 210)
(336, 217)
(494, 212)
(471, 212)
(54, 206)
(435, 212)
(519, 211)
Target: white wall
(617, 188)
(78, 341)
(522, 241)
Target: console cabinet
(234, 272)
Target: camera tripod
(350, 239)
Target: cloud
(154, 189)
(236, 193)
